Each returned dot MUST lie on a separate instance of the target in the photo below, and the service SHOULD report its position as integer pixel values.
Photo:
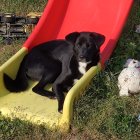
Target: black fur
(57, 62)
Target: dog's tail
(21, 81)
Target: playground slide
(59, 18)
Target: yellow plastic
(35, 108)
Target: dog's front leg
(60, 81)
(58, 89)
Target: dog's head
(86, 45)
(132, 63)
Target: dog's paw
(60, 106)
(52, 97)
(60, 111)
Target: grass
(100, 114)
(22, 7)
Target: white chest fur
(82, 70)
(82, 67)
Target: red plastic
(61, 17)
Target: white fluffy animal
(129, 78)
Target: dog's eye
(134, 62)
(78, 45)
(88, 45)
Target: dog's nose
(81, 56)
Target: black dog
(60, 62)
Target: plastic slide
(59, 18)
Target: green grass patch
(22, 7)
(100, 114)
(7, 51)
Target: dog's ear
(72, 37)
(99, 38)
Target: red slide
(61, 17)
